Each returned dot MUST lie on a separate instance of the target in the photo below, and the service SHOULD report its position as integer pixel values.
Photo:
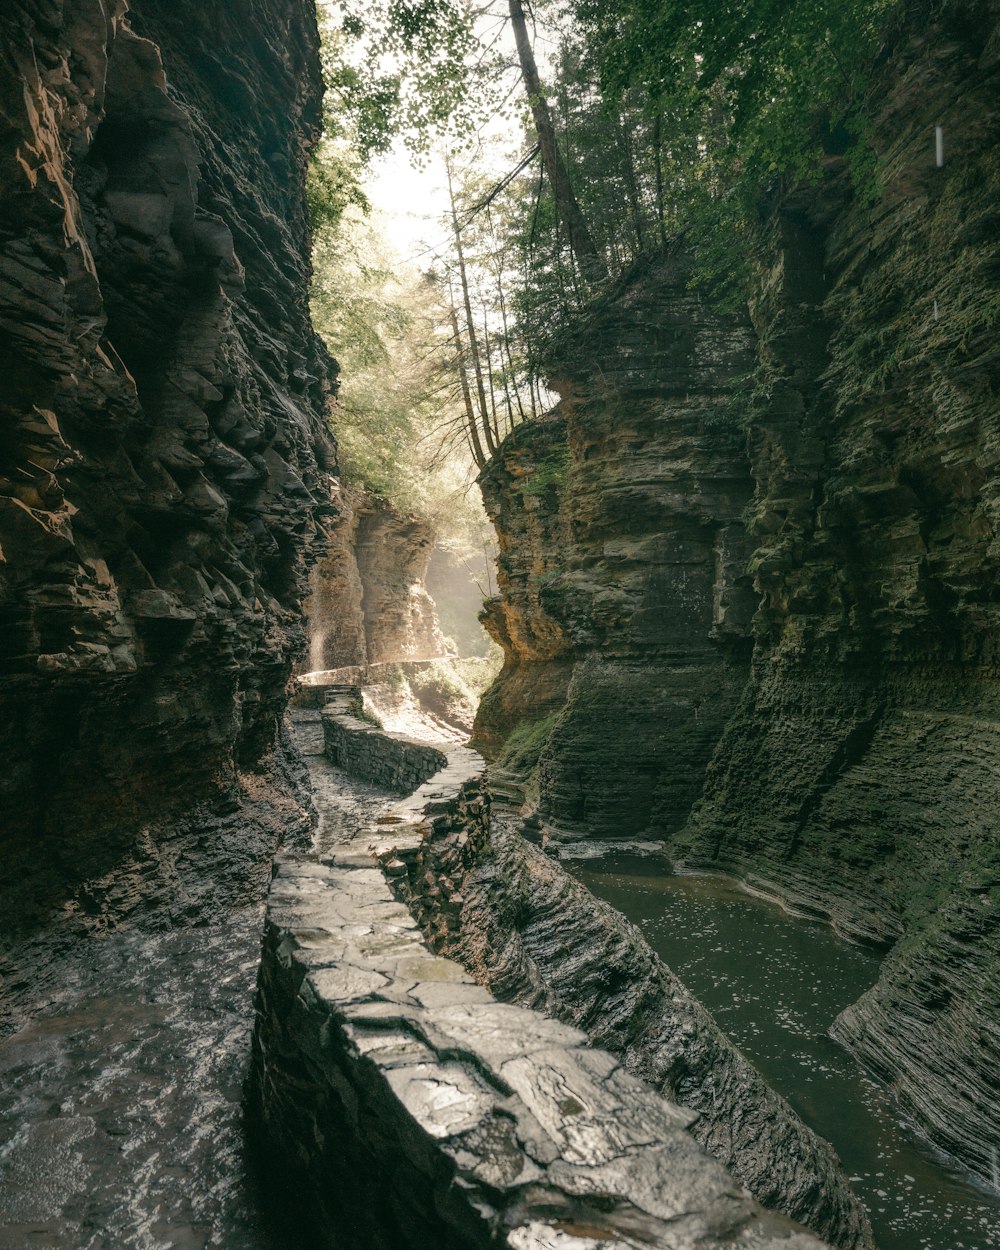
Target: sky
(414, 202)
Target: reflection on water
(775, 983)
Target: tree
(589, 258)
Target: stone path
(422, 1112)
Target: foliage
(478, 672)
(382, 323)
(391, 68)
(395, 67)
(523, 749)
(761, 84)
(549, 473)
(676, 119)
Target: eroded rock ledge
(422, 1112)
(166, 461)
(537, 937)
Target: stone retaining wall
(363, 750)
(418, 1112)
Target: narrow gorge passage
(775, 983)
(121, 1120)
(644, 457)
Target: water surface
(775, 983)
(121, 1118)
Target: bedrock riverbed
(121, 1121)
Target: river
(775, 983)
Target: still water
(775, 983)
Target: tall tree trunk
(472, 427)
(507, 371)
(477, 367)
(661, 211)
(489, 373)
(631, 183)
(588, 257)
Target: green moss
(360, 712)
(926, 311)
(523, 749)
(550, 473)
(393, 678)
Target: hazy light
(413, 202)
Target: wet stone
(422, 1074)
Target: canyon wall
(368, 602)
(623, 594)
(773, 615)
(165, 456)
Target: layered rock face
(852, 767)
(368, 602)
(164, 449)
(537, 937)
(859, 777)
(624, 597)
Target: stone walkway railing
(362, 749)
(424, 1115)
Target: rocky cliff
(859, 776)
(775, 611)
(368, 600)
(165, 460)
(624, 595)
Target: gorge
(746, 587)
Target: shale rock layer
(768, 624)
(368, 602)
(537, 937)
(164, 455)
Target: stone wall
(538, 938)
(363, 750)
(406, 1107)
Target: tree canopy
(644, 123)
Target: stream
(775, 983)
(121, 1122)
